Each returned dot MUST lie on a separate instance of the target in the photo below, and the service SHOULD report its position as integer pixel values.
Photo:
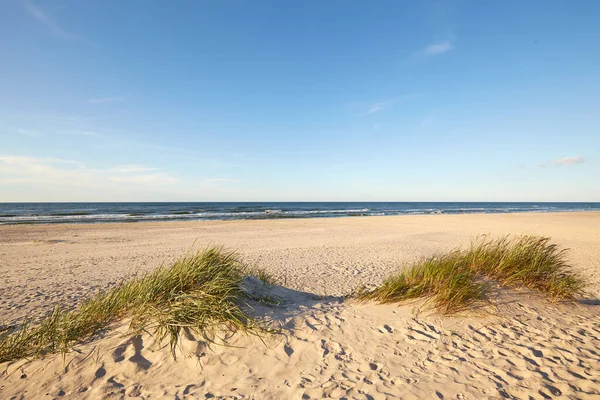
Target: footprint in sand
(417, 334)
(100, 372)
(137, 358)
(288, 350)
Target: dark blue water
(31, 213)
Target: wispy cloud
(382, 105)
(12, 159)
(53, 26)
(56, 179)
(107, 99)
(439, 47)
(564, 161)
(145, 179)
(56, 171)
(568, 160)
(29, 132)
(377, 107)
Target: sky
(156, 100)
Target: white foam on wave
(262, 213)
(26, 218)
(307, 212)
(230, 214)
(89, 217)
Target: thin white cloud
(53, 26)
(382, 105)
(29, 132)
(55, 130)
(568, 160)
(377, 107)
(106, 99)
(26, 178)
(563, 161)
(439, 47)
(145, 179)
(56, 171)
(26, 160)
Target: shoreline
(176, 221)
(35, 213)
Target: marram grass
(201, 292)
(526, 261)
(456, 281)
(444, 280)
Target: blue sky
(145, 100)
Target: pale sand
(330, 348)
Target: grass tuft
(526, 261)
(444, 280)
(459, 279)
(201, 292)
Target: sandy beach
(330, 348)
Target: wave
(68, 214)
(307, 212)
(85, 217)
(149, 212)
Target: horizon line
(303, 201)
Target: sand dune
(328, 348)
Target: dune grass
(444, 280)
(456, 281)
(526, 261)
(201, 292)
(204, 292)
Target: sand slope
(330, 349)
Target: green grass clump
(444, 280)
(526, 261)
(200, 292)
(459, 279)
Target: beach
(331, 347)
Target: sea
(46, 213)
